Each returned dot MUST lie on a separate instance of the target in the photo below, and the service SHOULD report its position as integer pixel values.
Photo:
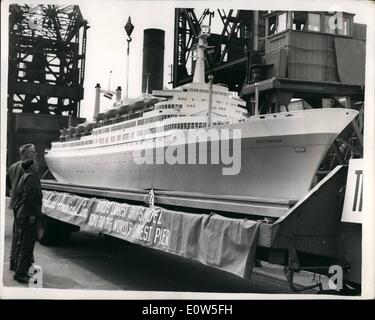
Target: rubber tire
(52, 232)
(63, 233)
(46, 231)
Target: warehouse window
(299, 20)
(281, 22)
(336, 24)
(329, 26)
(272, 25)
(276, 24)
(344, 29)
(314, 22)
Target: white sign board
(353, 204)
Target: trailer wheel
(63, 233)
(47, 230)
(52, 231)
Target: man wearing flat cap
(27, 208)
(14, 174)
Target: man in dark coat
(14, 174)
(27, 206)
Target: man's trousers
(27, 234)
(13, 256)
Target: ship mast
(199, 71)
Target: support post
(97, 100)
(256, 109)
(210, 79)
(127, 73)
(357, 132)
(128, 29)
(338, 153)
(255, 30)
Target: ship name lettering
(267, 141)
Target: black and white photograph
(187, 150)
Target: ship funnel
(199, 72)
(153, 60)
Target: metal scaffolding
(241, 36)
(47, 50)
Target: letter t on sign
(358, 189)
(352, 210)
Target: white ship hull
(280, 154)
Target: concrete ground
(90, 261)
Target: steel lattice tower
(47, 49)
(241, 39)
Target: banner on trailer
(224, 243)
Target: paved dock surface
(91, 261)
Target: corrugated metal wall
(273, 53)
(312, 56)
(307, 55)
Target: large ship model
(273, 155)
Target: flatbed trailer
(307, 234)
